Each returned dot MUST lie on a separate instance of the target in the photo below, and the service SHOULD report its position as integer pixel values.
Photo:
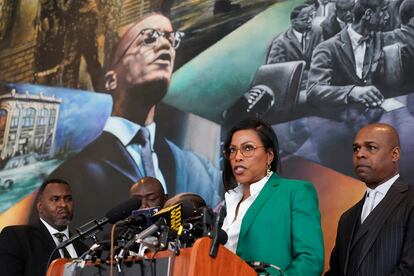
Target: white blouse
(232, 223)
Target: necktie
(59, 236)
(143, 138)
(304, 42)
(368, 205)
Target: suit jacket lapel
(267, 191)
(166, 162)
(47, 239)
(347, 52)
(351, 230)
(296, 45)
(367, 59)
(374, 51)
(117, 157)
(374, 222)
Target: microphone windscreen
(187, 209)
(123, 210)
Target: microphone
(141, 236)
(90, 228)
(140, 217)
(173, 214)
(170, 216)
(218, 236)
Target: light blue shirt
(125, 131)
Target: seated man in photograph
(297, 42)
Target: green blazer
(283, 227)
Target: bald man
(376, 235)
(131, 145)
(150, 191)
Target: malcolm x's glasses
(151, 36)
(246, 150)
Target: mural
(81, 78)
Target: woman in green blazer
(269, 219)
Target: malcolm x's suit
(25, 249)
(384, 243)
(103, 172)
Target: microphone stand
(215, 242)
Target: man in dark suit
(376, 236)
(130, 146)
(338, 20)
(298, 42)
(26, 249)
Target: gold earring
(268, 172)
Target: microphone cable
(50, 259)
(261, 267)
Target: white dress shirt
(323, 9)
(381, 190)
(71, 250)
(299, 37)
(232, 224)
(359, 50)
(125, 131)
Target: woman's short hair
(268, 138)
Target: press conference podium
(190, 261)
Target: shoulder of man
(17, 232)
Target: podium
(190, 261)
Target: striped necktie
(60, 237)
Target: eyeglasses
(245, 150)
(152, 36)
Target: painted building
(27, 123)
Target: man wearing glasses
(130, 147)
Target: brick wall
(17, 64)
(132, 10)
